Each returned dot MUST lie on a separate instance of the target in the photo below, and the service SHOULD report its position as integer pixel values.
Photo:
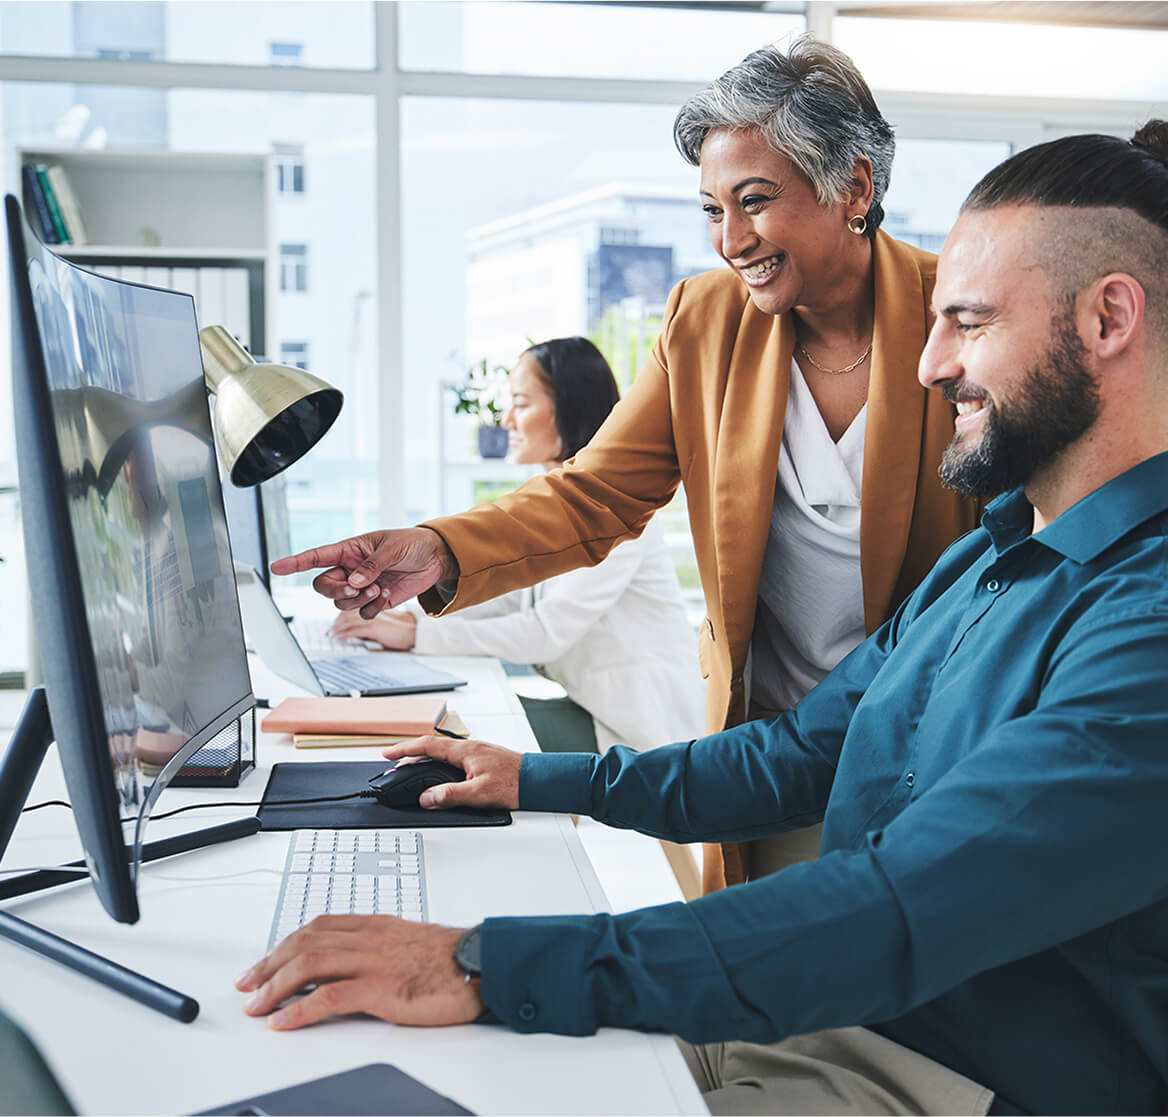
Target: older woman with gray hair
(782, 393)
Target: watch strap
(468, 953)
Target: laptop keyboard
(312, 635)
(348, 673)
(350, 872)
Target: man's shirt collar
(1086, 529)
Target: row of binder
(221, 294)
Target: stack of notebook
(347, 722)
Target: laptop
(375, 673)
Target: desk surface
(206, 917)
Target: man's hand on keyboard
(492, 773)
(377, 964)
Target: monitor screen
(245, 521)
(257, 518)
(142, 647)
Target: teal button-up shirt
(991, 769)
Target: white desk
(206, 917)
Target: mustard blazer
(707, 411)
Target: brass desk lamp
(266, 416)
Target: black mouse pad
(339, 777)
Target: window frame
(1016, 120)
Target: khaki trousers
(840, 1071)
(769, 855)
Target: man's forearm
(738, 964)
(737, 785)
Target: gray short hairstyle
(812, 105)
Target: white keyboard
(350, 872)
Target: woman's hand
(492, 773)
(395, 631)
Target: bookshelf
(193, 221)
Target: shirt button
(527, 1012)
(993, 585)
(910, 779)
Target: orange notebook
(409, 715)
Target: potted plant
(482, 395)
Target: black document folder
(374, 1089)
(339, 777)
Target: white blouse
(811, 598)
(615, 636)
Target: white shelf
(152, 160)
(165, 211)
(184, 200)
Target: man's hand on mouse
(377, 964)
(492, 773)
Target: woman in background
(615, 636)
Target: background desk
(206, 917)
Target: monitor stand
(26, 752)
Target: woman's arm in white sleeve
(564, 609)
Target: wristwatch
(468, 953)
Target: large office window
(930, 179)
(979, 57)
(532, 191)
(593, 219)
(335, 34)
(685, 42)
(183, 133)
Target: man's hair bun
(1153, 138)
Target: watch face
(468, 953)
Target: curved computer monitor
(130, 570)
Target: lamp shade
(267, 416)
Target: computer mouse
(401, 785)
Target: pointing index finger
(312, 559)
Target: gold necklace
(837, 371)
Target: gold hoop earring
(858, 224)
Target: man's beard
(1056, 402)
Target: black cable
(368, 794)
(47, 803)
